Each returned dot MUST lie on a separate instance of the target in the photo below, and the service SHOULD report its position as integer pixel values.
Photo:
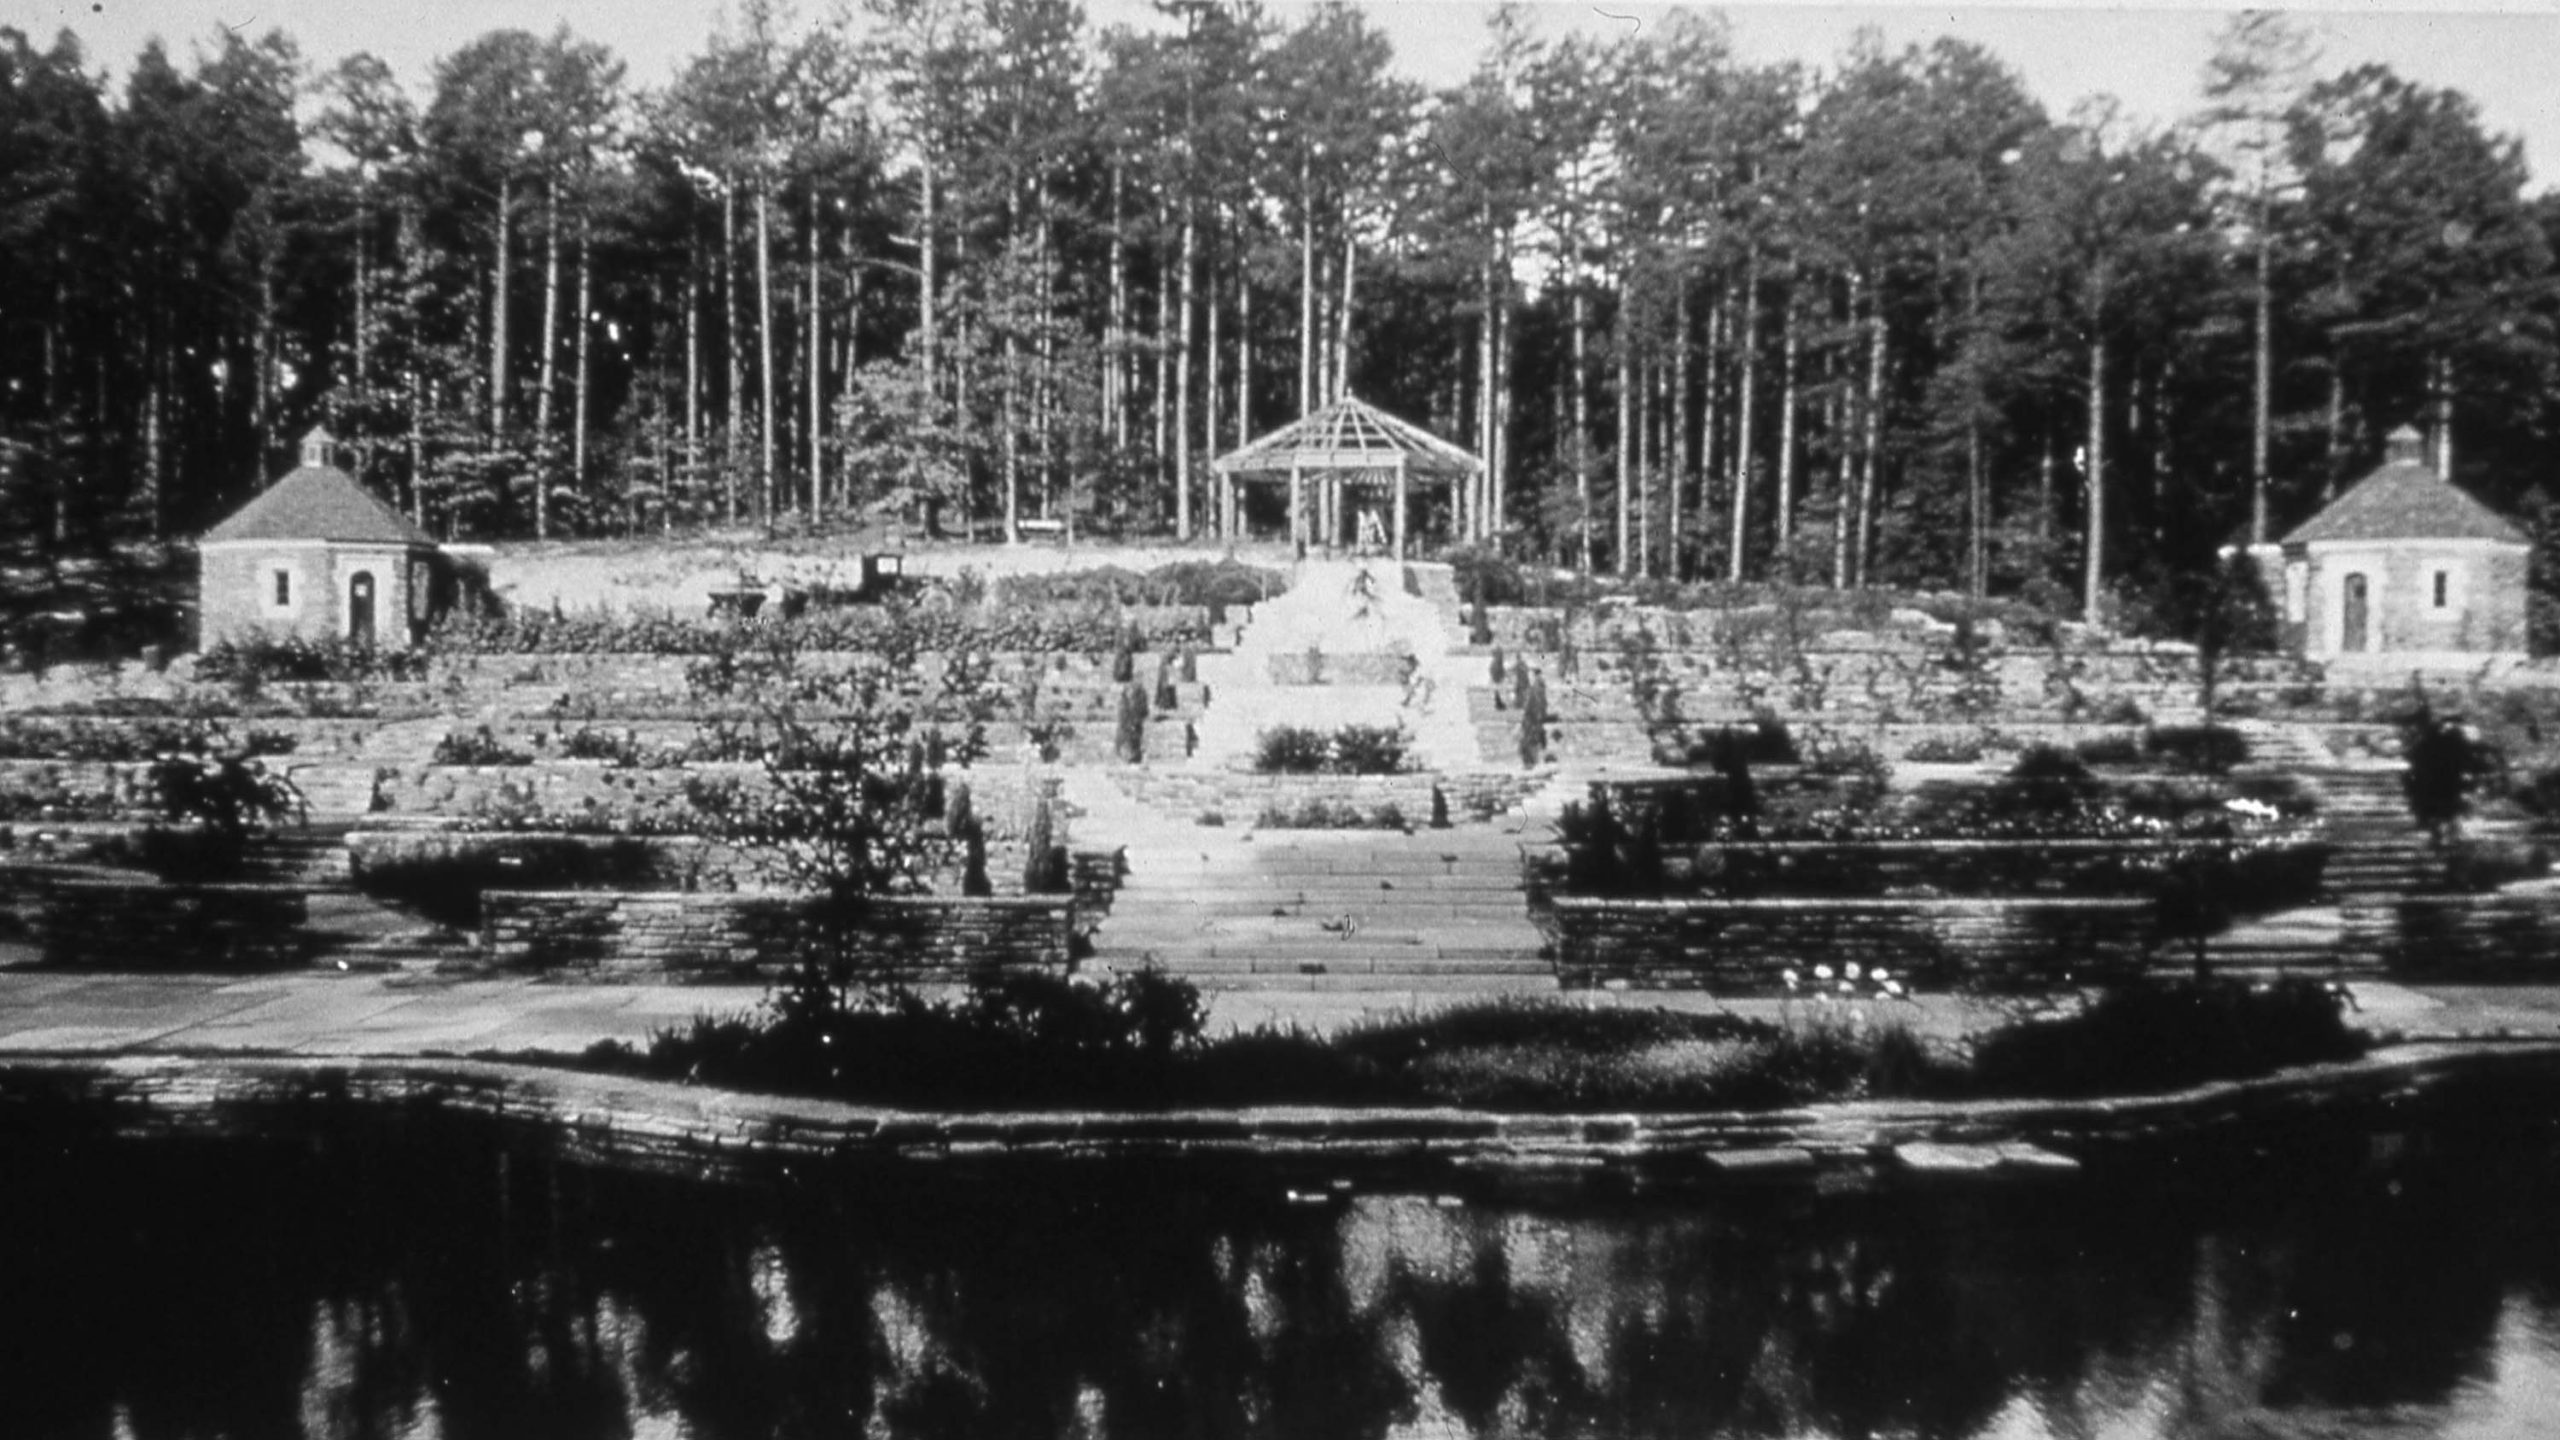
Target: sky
(2502, 53)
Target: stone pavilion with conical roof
(2405, 568)
(316, 555)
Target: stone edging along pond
(665, 1126)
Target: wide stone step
(1373, 984)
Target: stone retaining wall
(1240, 798)
(662, 1126)
(100, 922)
(596, 796)
(631, 935)
(1743, 947)
(74, 789)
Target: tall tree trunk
(1650, 423)
(1342, 317)
(1977, 509)
(1210, 395)
(1977, 485)
(1746, 404)
(731, 462)
(2046, 500)
(1116, 377)
(2095, 546)
(1581, 451)
(2337, 457)
(1871, 439)
(1182, 380)
(1164, 350)
(692, 360)
(363, 427)
(578, 411)
(1505, 346)
(550, 375)
(928, 286)
(1623, 552)
(498, 267)
(1488, 403)
(2440, 380)
(1307, 402)
(764, 348)
(417, 447)
(2262, 377)
(1790, 351)
(1244, 352)
(1681, 458)
(817, 377)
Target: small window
(2443, 589)
(284, 588)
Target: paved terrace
(340, 1015)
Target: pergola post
(1402, 505)
(1297, 504)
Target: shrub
(2197, 749)
(29, 738)
(2538, 794)
(446, 888)
(476, 747)
(2165, 1035)
(1316, 813)
(1533, 722)
(620, 748)
(2114, 748)
(2446, 761)
(247, 663)
(1129, 738)
(2476, 866)
(1369, 750)
(1292, 750)
(1945, 750)
(1044, 861)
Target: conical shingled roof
(1349, 435)
(318, 502)
(2406, 500)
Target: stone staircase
(1351, 910)
(338, 790)
(1345, 646)
(348, 930)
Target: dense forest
(1885, 320)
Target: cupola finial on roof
(318, 446)
(2404, 446)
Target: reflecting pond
(415, 1277)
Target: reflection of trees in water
(352, 1288)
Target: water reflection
(419, 1281)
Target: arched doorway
(360, 607)
(2355, 614)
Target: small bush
(249, 663)
(1945, 750)
(2167, 1035)
(476, 747)
(2478, 866)
(1292, 750)
(1533, 722)
(445, 889)
(1319, 814)
(2197, 749)
(1129, 735)
(2113, 748)
(1369, 750)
